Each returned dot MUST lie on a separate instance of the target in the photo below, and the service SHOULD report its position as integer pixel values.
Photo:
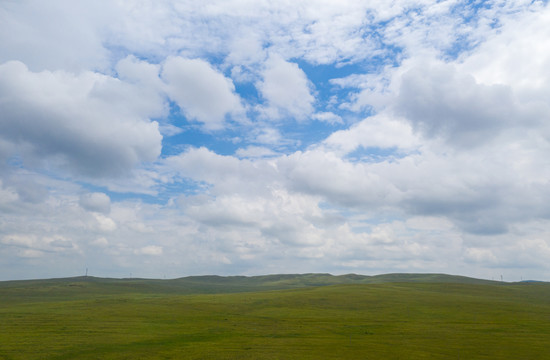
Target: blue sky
(173, 138)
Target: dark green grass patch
(377, 321)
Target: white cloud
(429, 223)
(168, 130)
(245, 48)
(286, 88)
(152, 250)
(101, 242)
(517, 53)
(55, 35)
(148, 89)
(328, 117)
(31, 245)
(19, 240)
(266, 135)
(478, 255)
(255, 152)
(367, 186)
(475, 191)
(105, 223)
(440, 102)
(379, 131)
(98, 202)
(7, 195)
(228, 173)
(252, 217)
(90, 123)
(28, 188)
(203, 93)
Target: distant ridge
(81, 286)
(320, 279)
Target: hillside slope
(83, 286)
(90, 318)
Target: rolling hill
(213, 284)
(300, 316)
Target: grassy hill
(83, 286)
(308, 316)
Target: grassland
(312, 316)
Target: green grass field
(289, 317)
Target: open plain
(312, 316)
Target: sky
(164, 138)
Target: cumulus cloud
(101, 242)
(98, 202)
(147, 83)
(328, 117)
(227, 173)
(440, 102)
(522, 44)
(340, 181)
(33, 246)
(9, 196)
(55, 35)
(27, 188)
(255, 152)
(203, 93)
(379, 131)
(104, 223)
(286, 88)
(266, 135)
(476, 194)
(149, 250)
(88, 123)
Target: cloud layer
(171, 138)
